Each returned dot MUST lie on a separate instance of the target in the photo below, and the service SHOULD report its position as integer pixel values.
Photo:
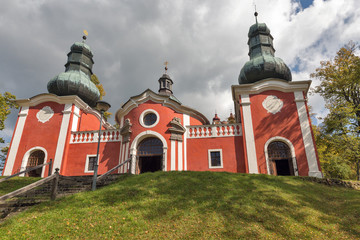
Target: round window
(150, 119)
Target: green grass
(195, 205)
(15, 183)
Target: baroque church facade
(269, 134)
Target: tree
(100, 87)
(340, 87)
(6, 103)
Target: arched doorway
(36, 158)
(280, 160)
(149, 155)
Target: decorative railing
(218, 130)
(92, 136)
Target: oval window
(150, 119)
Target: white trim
(122, 157)
(87, 163)
(186, 122)
(136, 142)
(26, 159)
(144, 113)
(173, 155)
(292, 150)
(126, 156)
(221, 158)
(249, 134)
(16, 141)
(75, 120)
(60, 146)
(180, 156)
(306, 135)
(165, 100)
(72, 99)
(269, 84)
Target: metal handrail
(27, 188)
(113, 169)
(28, 170)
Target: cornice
(165, 100)
(270, 84)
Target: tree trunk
(358, 170)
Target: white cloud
(205, 43)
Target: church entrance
(36, 158)
(149, 155)
(280, 159)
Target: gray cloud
(204, 42)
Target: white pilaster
(306, 134)
(173, 155)
(16, 141)
(249, 134)
(75, 120)
(62, 137)
(186, 122)
(180, 156)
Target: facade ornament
(176, 129)
(272, 104)
(45, 114)
(125, 131)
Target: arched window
(36, 158)
(280, 159)
(150, 146)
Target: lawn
(195, 205)
(15, 183)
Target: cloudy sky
(205, 43)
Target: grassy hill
(195, 205)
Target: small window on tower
(215, 158)
(90, 163)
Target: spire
(76, 78)
(263, 63)
(165, 82)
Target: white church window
(149, 118)
(90, 163)
(215, 158)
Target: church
(269, 133)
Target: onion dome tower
(165, 83)
(263, 63)
(76, 78)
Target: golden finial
(85, 35)
(166, 66)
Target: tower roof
(263, 63)
(76, 78)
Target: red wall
(284, 124)
(232, 153)
(166, 115)
(37, 134)
(88, 122)
(75, 165)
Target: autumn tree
(100, 87)
(340, 87)
(6, 103)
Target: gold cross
(166, 66)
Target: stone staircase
(67, 185)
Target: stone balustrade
(218, 130)
(92, 136)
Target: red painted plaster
(232, 153)
(284, 124)
(37, 134)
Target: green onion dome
(263, 63)
(76, 78)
